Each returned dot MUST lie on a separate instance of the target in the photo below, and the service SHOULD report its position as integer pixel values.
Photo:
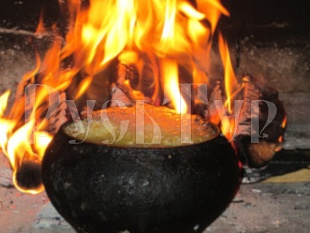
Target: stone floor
(258, 208)
(279, 204)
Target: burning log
(28, 176)
(260, 130)
(99, 88)
(260, 124)
(60, 116)
(254, 154)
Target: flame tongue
(24, 155)
(171, 33)
(170, 72)
(101, 32)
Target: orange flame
(19, 127)
(284, 122)
(281, 139)
(231, 86)
(41, 28)
(231, 83)
(171, 33)
(5, 125)
(18, 145)
(170, 72)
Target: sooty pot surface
(109, 189)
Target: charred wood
(257, 145)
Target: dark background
(24, 14)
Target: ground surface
(258, 208)
(279, 204)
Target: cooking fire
(125, 128)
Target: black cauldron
(112, 189)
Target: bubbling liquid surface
(149, 126)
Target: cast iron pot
(109, 189)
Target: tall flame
(171, 33)
(231, 86)
(170, 72)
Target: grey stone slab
(48, 217)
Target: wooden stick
(60, 116)
(21, 32)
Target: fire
(283, 125)
(5, 125)
(170, 70)
(17, 143)
(231, 86)
(170, 33)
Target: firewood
(256, 144)
(118, 95)
(206, 108)
(99, 89)
(135, 81)
(123, 90)
(60, 116)
(258, 152)
(255, 155)
(15, 31)
(28, 175)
